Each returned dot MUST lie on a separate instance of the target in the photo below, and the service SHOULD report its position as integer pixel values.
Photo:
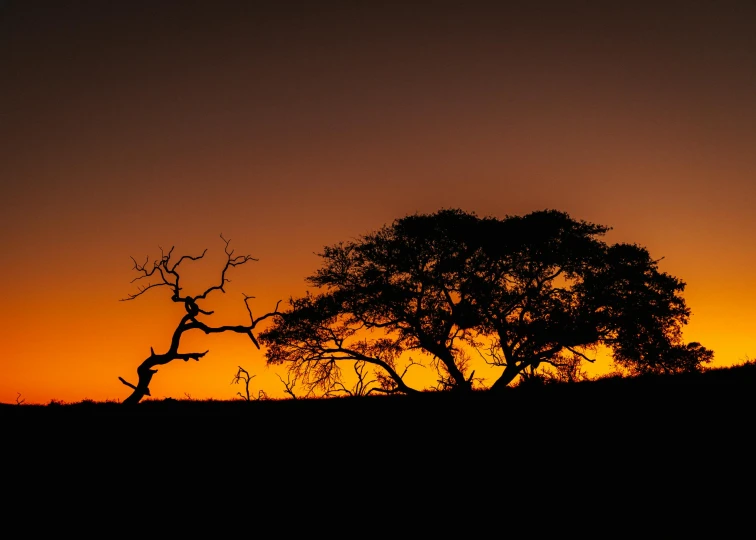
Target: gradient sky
(125, 126)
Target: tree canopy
(541, 289)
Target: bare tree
(165, 273)
(243, 376)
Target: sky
(289, 126)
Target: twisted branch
(169, 276)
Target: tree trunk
(145, 371)
(461, 384)
(143, 386)
(510, 373)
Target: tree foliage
(525, 291)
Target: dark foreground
(650, 442)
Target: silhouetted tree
(526, 291)
(243, 376)
(165, 273)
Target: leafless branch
(243, 376)
(158, 266)
(494, 357)
(578, 353)
(231, 261)
(411, 363)
(142, 290)
(361, 388)
(127, 383)
(189, 356)
(288, 384)
(259, 319)
(169, 275)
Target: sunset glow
(130, 126)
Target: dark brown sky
(128, 125)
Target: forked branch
(242, 375)
(289, 384)
(164, 272)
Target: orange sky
(127, 126)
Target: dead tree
(165, 273)
(242, 375)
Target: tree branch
(231, 261)
(578, 353)
(169, 273)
